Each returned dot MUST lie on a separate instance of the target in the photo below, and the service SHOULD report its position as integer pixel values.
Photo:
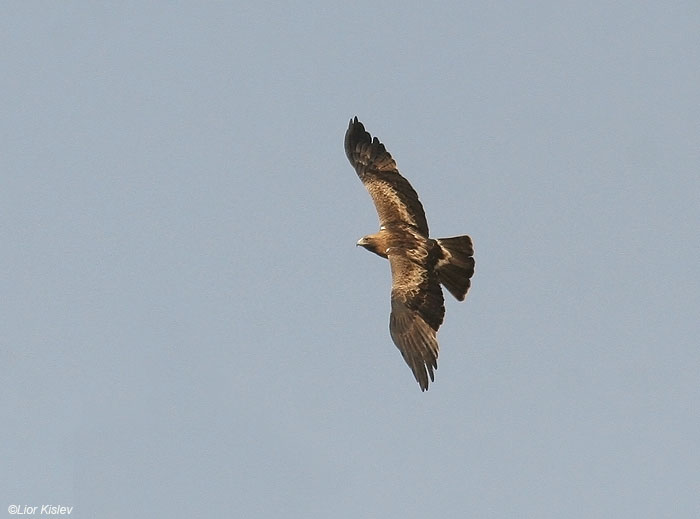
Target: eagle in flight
(419, 264)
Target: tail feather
(456, 267)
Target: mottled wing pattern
(417, 309)
(396, 201)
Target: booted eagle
(419, 264)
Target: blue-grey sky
(187, 328)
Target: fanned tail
(456, 267)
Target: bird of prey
(419, 264)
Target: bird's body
(419, 264)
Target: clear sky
(188, 330)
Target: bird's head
(372, 244)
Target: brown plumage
(419, 264)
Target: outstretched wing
(417, 310)
(396, 201)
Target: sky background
(187, 328)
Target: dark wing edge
(394, 197)
(417, 311)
